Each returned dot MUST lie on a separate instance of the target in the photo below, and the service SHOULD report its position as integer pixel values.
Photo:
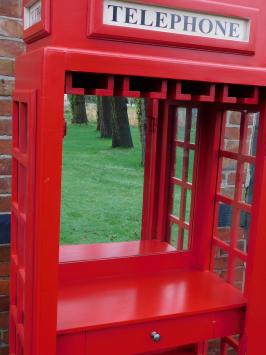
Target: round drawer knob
(155, 337)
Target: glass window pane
(250, 145)
(239, 274)
(179, 162)
(228, 180)
(194, 119)
(224, 222)
(176, 201)
(185, 240)
(220, 263)
(174, 234)
(181, 121)
(247, 183)
(243, 231)
(188, 205)
(232, 131)
(190, 165)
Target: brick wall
(11, 45)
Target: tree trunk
(141, 111)
(104, 110)
(78, 109)
(121, 135)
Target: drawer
(173, 332)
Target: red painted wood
(83, 252)
(127, 300)
(145, 291)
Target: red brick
(5, 185)
(4, 350)
(7, 67)
(10, 8)
(6, 87)
(235, 117)
(5, 146)
(232, 133)
(4, 253)
(232, 146)
(4, 268)
(4, 303)
(221, 263)
(5, 127)
(5, 203)
(10, 28)
(5, 336)
(5, 166)
(10, 48)
(4, 320)
(4, 287)
(5, 107)
(231, 178)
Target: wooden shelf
(107, 302)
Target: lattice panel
(234, 195)
(22, 227)
(182, 177)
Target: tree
(104, 124)
(78, 109)
(121, 135)
(141, 112)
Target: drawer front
(136, 338)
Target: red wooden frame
(97, 29)
(177, 71)
(40, 29)
(236, 203)
(22, 249)
(187, 146)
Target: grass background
(101, 188)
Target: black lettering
(233, 30)
(130, 12)
(209, 25)
(221, 27)
(143, 19)
(192, 23)
(175, 19)
(160, 20)
(114, 19)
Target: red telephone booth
(196, 274)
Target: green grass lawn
(101, 188)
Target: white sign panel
(32, 14)
(154, 18)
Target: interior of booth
(174, 270)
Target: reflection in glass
(243, 231)
(185, 243)
(181, 121)
(239, 274)
(220, 263)
(193, 126)
(188, 205)
(176, 201)
(228, 180)
(247, 183)
(174, 234)
(179, 162)
(250, 145)
(190, 166)
(224, 222)
(232, 131)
